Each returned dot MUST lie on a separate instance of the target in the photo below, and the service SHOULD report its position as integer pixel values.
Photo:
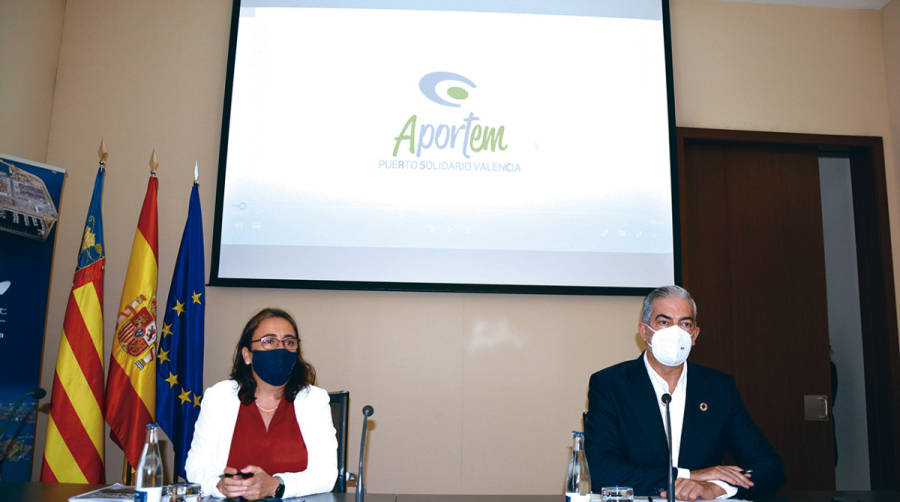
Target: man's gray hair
(665, 292)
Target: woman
(267, 431)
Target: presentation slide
(480, 143)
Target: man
(625, 436)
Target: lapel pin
(704, 406)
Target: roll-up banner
(29, 201)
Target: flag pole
(130, 385)
(181, 349)
(74, 446)
(103, 153)
(128, 471)
(154, 163)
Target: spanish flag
(131, 383)
(74, 447)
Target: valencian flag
(74, 447)
(179, 377)
(131, 383)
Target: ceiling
(843, 4)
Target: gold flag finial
(154, 162)
(102, 152)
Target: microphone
(670, 491)
(37, 393)
(367, 412)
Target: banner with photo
(29, 201)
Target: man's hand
(258, 486)
(731, 474)
(688, 489)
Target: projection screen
(503, 146)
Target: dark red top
(280, 449)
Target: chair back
(340, 415)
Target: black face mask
(274, 366)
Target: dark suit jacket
(626, 443)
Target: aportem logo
(429, 84)
(474, 137)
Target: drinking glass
(616, 494)
(181, 492)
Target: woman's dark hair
(302, 376)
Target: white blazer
(215, 426)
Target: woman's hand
(258, 486)
(228, 484)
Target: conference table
(783, 496)
(60, 492)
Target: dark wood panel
(704, 187)
(754, 259)
(779, 302)
(876, 279)
(881, 354)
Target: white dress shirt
(676, 408)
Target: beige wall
(784, 68)
(891, 31)
(472, 392)
(29, 51)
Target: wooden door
(753, 257)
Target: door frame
(877, 302)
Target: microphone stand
(670, 491)
(367, 412)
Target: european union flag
(179, 370)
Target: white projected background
(553, 168)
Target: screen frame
(215, 280)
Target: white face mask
(671, 346)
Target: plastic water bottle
(578, 478)
(149, 481)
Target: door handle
(815, 408)
(824, 407)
